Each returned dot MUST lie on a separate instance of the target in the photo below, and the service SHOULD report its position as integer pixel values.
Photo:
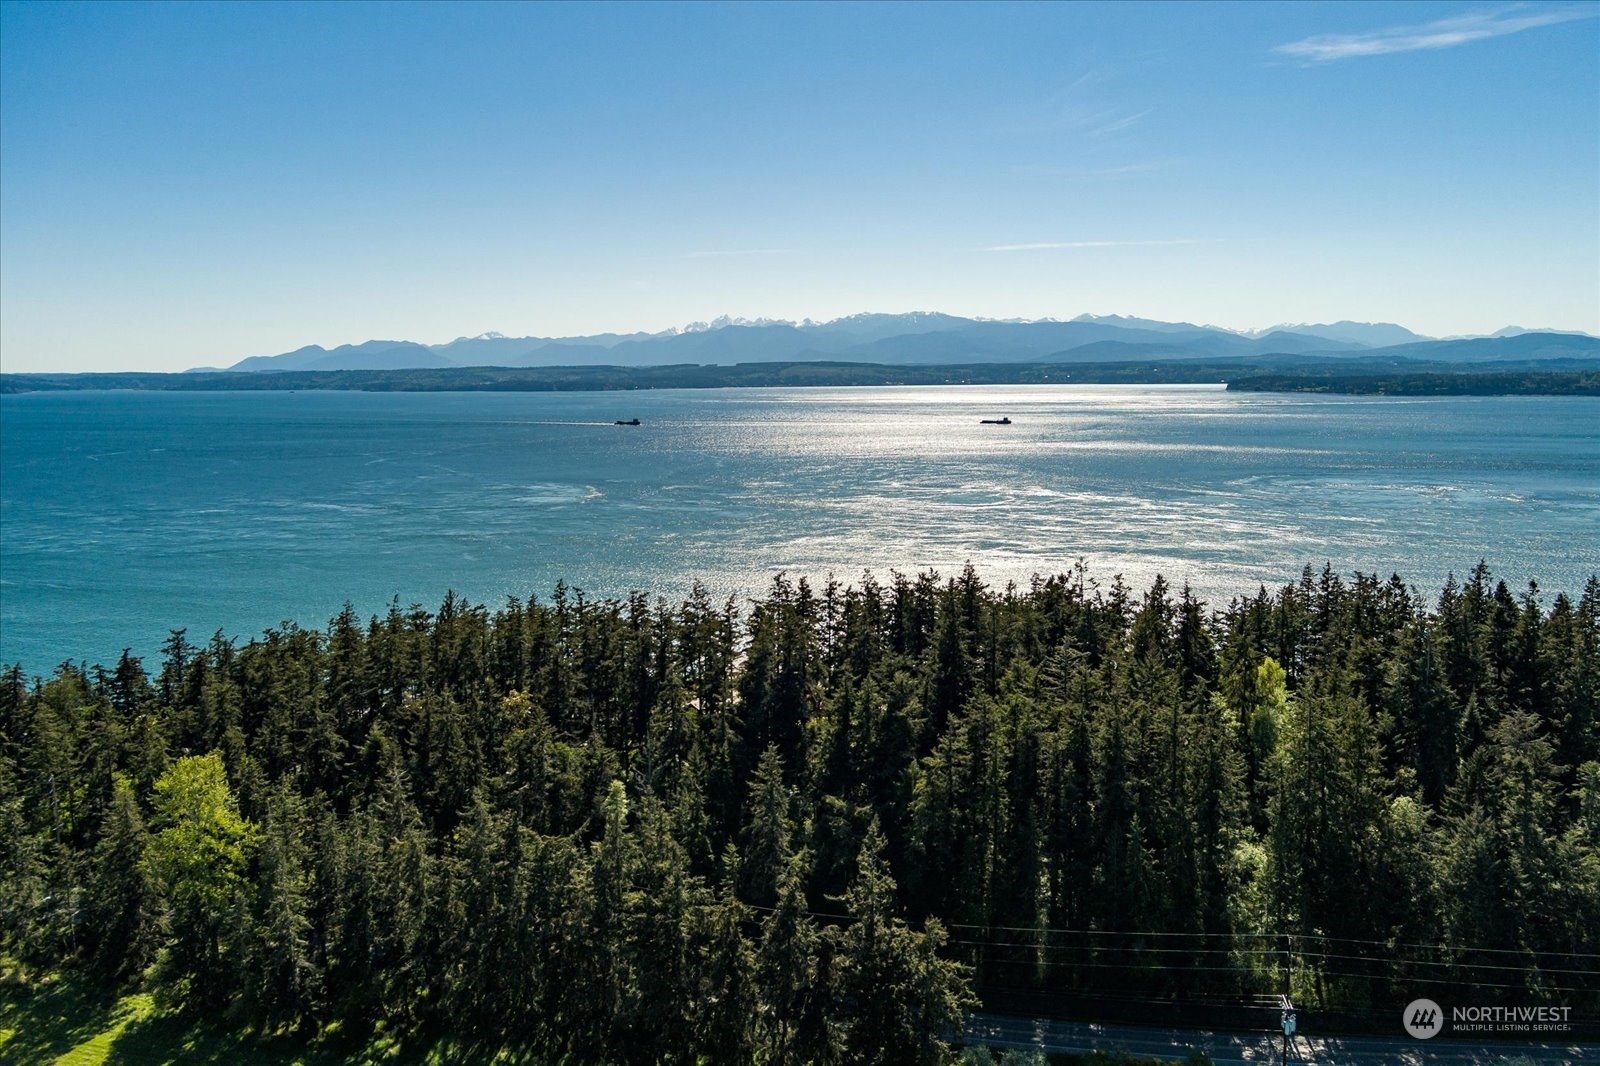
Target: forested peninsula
(819, 826)
(1406, 382)
(1275, 373)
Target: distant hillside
(1139, 323)
(1100, 362)
(921, 338)
(1517, 331)
(373, 355)
(1520, 347)
(1402, 383)
(1366, 334)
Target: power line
(1439, 962)
(1441, 948)
(1462, 982)
(1271, 952)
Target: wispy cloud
(1084, 119)
(737, 253)
(1035, 170)
(1050, 246)
(1445, 33)
(1081, 107)
(1119, 123)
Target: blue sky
(188, 184)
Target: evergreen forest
(1396, 377)
(820, 826)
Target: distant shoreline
(1353, 376)
(1466, 383)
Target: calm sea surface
(126, 515)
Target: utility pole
(1289, 1025)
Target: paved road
(1261, 1049)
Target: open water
(126, 515)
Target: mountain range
(932, 338)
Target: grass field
(70, 1022)
(66, 1020)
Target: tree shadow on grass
(74, 1019)
(170, 1038)
(176, 1038)
(46, 1020)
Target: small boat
(995, 421)
(629, 422)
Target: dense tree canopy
(814, 829)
